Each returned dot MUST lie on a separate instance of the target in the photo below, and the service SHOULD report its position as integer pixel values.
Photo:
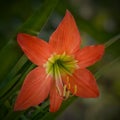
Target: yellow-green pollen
(59, 65)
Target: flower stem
(112, 40)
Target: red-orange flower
(61, 67)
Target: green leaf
(11, 53)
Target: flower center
(60, 64)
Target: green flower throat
(60, 64)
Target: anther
(59, 91)
(64, 90)
(68, 79)
(75, 89)
(68, 85)
(68, 82)
(67, 94)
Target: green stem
(106, 67)
(10, 52)
(12, 77)
(12, 115)
(18, 84)
(39, 18)
(112, 40)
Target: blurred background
(98, 22)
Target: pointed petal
(35, 89)
(36, 49)
(66, 38)
(83, 84)
(55, 99)
(89, 55)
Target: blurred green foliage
(98, 22)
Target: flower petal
(55, 99)
(89, 55)
(66, 38)
(83, 84)
(35, 89)
(36, 49)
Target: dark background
(98, 21)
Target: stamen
(59, 91)
(75, 89)
(68, 82)
(58, 79)
(68, 85)
(64, 90)
(68, 79)
(59, 85)
(59, 65)
(67, 94)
